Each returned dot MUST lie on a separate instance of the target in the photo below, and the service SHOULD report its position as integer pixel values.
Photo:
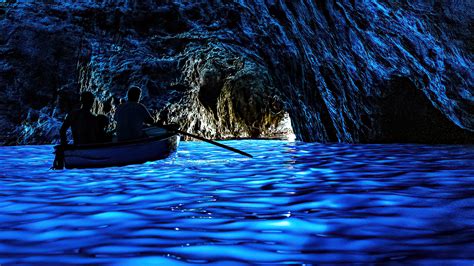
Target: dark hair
(108, 105)
(87, 100)
(134, 94)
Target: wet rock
(348, 71)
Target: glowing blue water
(293, 203)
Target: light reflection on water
(292, 203)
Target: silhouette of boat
(119, 153)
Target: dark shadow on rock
(406, 115)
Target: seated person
(131, 116)
(82, 122)
(103, 121)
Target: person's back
(83, 127)
(82, 122)
(131, 116)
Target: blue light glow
(293, 203)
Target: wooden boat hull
(121, 153)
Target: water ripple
(292, 203)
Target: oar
(208, 141)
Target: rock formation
(348, 71)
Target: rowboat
(116, 153)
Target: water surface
(292, 203)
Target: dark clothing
(83, 125)
(130, 117)
(103, 127)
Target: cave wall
(347, 71)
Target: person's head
(108, 106)
(118, 100)
(87, 100)
(134, 94)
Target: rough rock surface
(348, 71)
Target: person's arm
(64, 128)
(148, 117)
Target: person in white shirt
(131, 116)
